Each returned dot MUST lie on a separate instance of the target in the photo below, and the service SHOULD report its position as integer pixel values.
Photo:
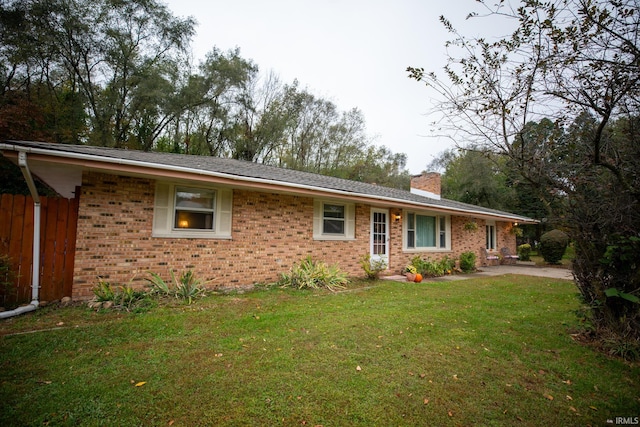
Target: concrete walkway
(499, 270)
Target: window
(182, 211)
(491, 236)
(194, 209)
(426, 231)
(333, 220)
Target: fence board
(57, 245)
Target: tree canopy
(121, 74)
(559, 97)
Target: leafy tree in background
(575, 62)
(118, 74)
(475, 177)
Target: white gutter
(35, 272)
(139, 164)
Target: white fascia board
(245, 179)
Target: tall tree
(577, 62)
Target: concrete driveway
(526, 270)
(499, 270)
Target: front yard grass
(492, 351)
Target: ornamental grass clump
(187, 287)
(311, 274)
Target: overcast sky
(351, 52)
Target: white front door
(380, 235)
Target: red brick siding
(270, 232)
(461, 241)
(427, 181)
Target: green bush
(125, 297)
(467, 261)
(524, 252)
(372, 269)
(314, 275)
(428, 268)
(7, 275)
(187, 287)
(553, 244)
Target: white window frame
(442, 231)
(189, 209)
(491, 236)
(349, 219)
(164, 212)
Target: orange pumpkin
(418, 278)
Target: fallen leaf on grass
(567, 382)
(573, 409)
(548, 396)
(455, 376)
(358, 368)
(141, 383)
(569, 397)
(593, 407)
(425, 401)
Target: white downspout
(35, 272)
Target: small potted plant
(410, 273)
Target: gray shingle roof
(250, 170)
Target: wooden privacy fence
(58, 221)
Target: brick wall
(427, 181)
(270, 232)
(461, 241)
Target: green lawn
(494, 351)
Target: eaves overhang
(131, 167)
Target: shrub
(7, 275)
(187, 287)
(524, 252)
(467, 261)
(125, 297)
(553, 244)
(103, 292)
(430, 268)
(372, 269)
(314, 275)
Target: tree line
(121, 74)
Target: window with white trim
(490, 229)
(194, 209)
(427, 231)
(185, 211)
(333, 220)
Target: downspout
(35, 272)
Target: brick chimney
(426, 184)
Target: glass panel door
(380, 235)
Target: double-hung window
(426, 231)
(194, 209)
(197, 212)
(333, 220)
